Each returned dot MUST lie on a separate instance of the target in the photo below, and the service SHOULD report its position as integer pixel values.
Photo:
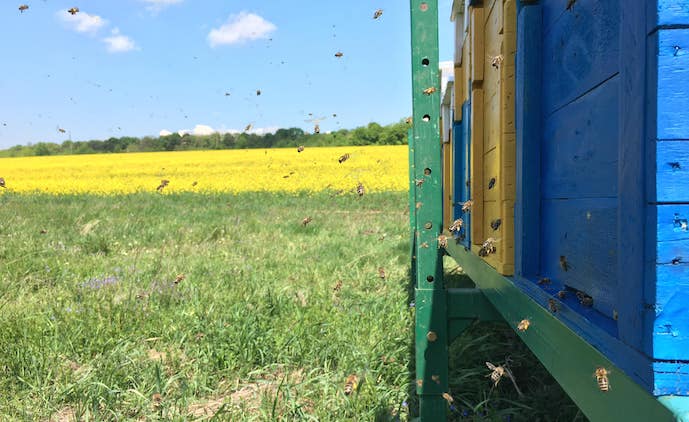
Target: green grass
(94, 326)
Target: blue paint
(528, 143)
(678, 405)
(580, 51)
(667, 13)
(460, 148)
(672, 82)
(671, 378)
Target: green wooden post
(431, 334)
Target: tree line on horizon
(371, 134)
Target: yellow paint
(477, 42)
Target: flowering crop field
(378, 168)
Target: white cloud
(241, 28)
(165, 132)
(158, 5)
(82, 21)
(203, 130)
(118, 43)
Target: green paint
(466, 306)
(570, 359)
(425, 150)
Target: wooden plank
(630, 171)
(584, 232)
(672, 48)
(491, 175)
(671, 378)
(528, 142)
(580, 52)
(508, 99)
(476, 165)
(447, 182)
(580, 146)
(672, 171)
(459, 93)
(477, 44)
(667, 13)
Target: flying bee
(601, 375)
(61, 130)
(409, 120)
(316, 128)
(497, 373)
(306, 221)
(360, 189)
(258, 92)
(488, 247)
(448, 398)
(497, 61)
(339, 54)
(23, 7)
(552, 305)
(73, 11)
(194, 183)
(162, 185)
(381, 273)
(351, 384)
(378, 13)
(227, 94)
(456, 225)
(248, 127)
(523, 325)
(2, 183)
(466, 206)
(338, 286)
(179, 278)
(429, 90)
(564, 264)
(442, 241)
(316, 123)
(300, 148)
(544, 281)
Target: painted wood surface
(672, 78)
(580, 49)
(672, 171)
(666, 13)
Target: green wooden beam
(431, 333)
(568, 357)
(465, 307)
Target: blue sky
(137, 67)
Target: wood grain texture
(476, 166)
(477, 44)
(580, 146)
(671, 378)
(667, 13)
(672, 172)
(672, 82)
(580, 51)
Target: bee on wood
(497, 61)
(495, 224)
(300, 148)
(615, 314)
(360, 189)
(601, 375)
(73, 11)
(162, 185)
(381, 273)
(497, 372)
(2, 183)
(448, 398)
(258, 92)
(429, 90)
(544, 281)
(408, 120)
(418, 182)
(442, 241)
(338, 55)
(564, 264)
(570, 4)
(338, 286)
(248, 127)
(552, 305)
(351, 384)
(456, 225)
(488, 247)
(435, 379)
(523, 325)
(378, 13)
(466, 206)
(562, 294)
(343, 158)
(23, 7)
(179, 278)
(306, 221)
(585, 299)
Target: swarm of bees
(442, 241)
(564, 264)
(2, 183)
(339, 54)
(162, 185)
(351, 384)
(466, 206)
(179, 278)
(306, 221)
(360, 189)
(73, 11)
(378, 13)
(601, 375)
(488, 247)
(523, 325)
(23, 7)
(343, 158)
(300, 148)
(429, 90)
(381, 273)
(456, 225)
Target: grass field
(226, 307)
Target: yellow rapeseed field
(378, 168)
